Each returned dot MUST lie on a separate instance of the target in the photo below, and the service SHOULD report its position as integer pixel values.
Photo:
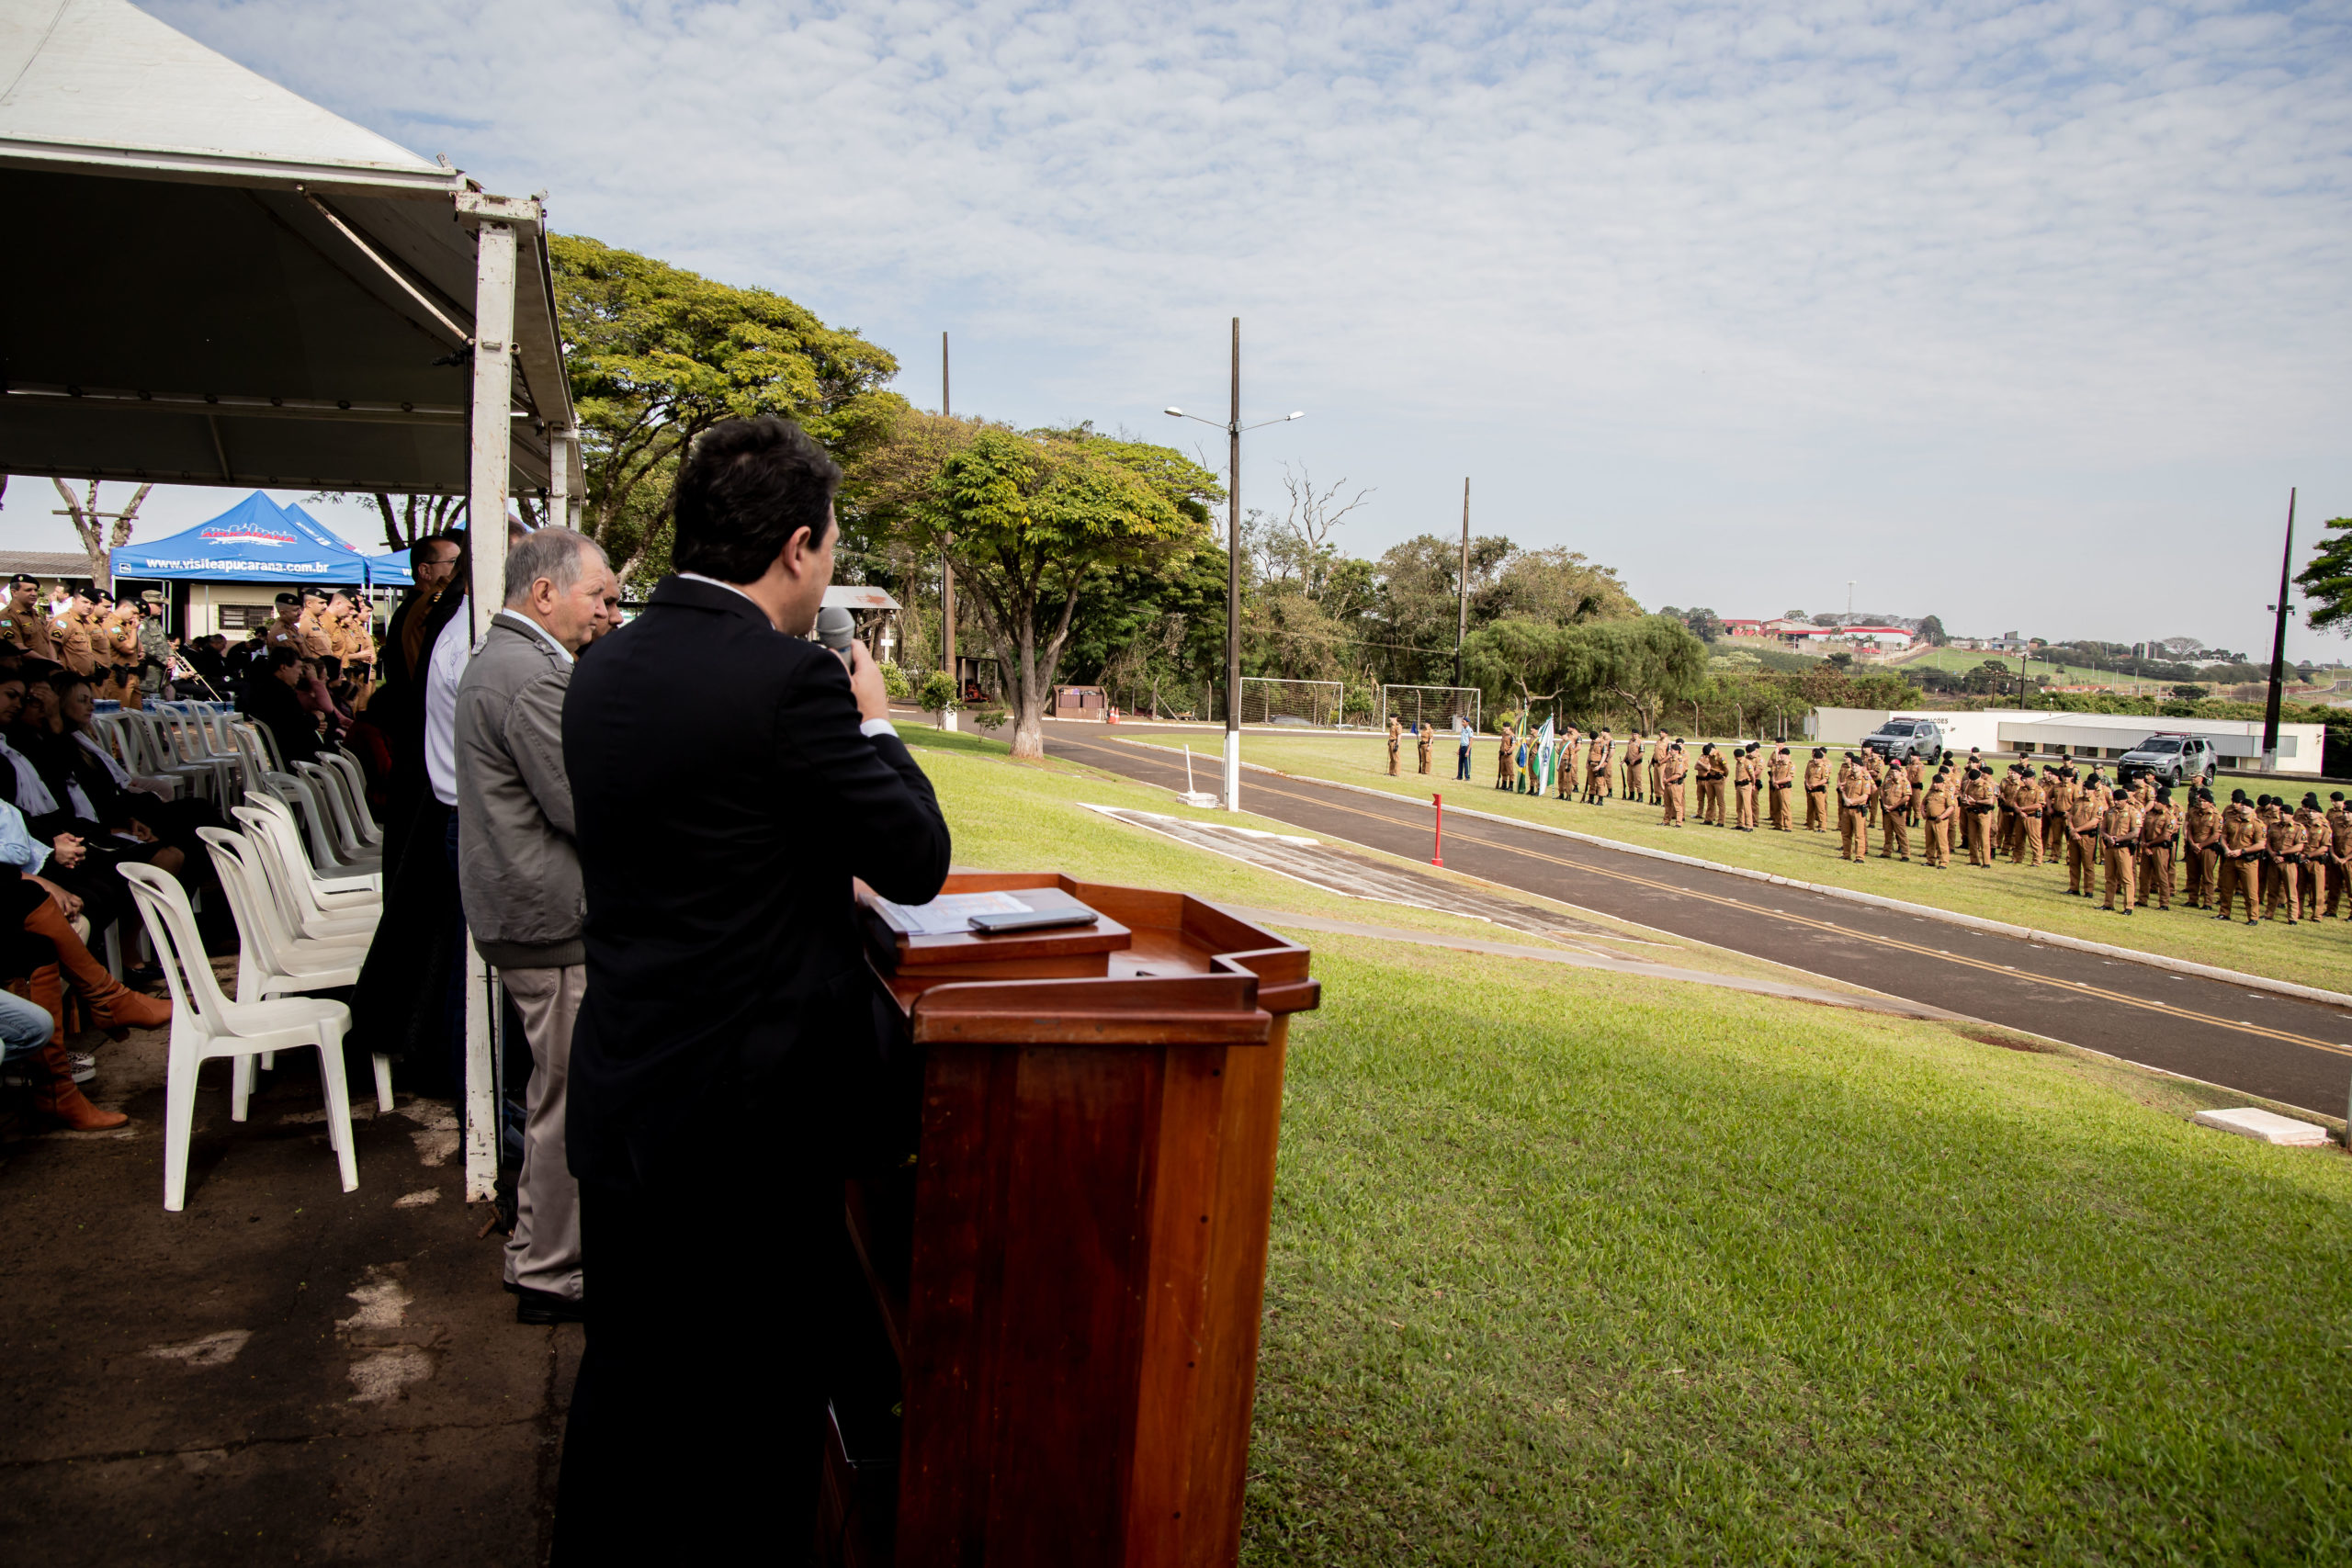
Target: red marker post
(1437, 849)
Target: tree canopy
(658, 355)
(2328, 582)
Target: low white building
(2086, 736)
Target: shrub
(992, 717)
(938, 693)
(894, 682)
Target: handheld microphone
(835, 627)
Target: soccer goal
(1307, 704)
(1435, 705)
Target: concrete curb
(1949, 917)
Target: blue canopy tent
(389, 570)
(252, 542)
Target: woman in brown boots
(39, 955)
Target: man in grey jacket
(519, 873)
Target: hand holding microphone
(836, 628)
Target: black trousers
(697, 1426)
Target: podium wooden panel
(1070, 1282)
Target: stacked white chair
(205, 1024)
(326, 787)
(274, 961)
(310, 908)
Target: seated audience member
(119, 803)
(85, 871)
(39, 951)
(271, 700)
(208, 656)
(239, 661)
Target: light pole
(1233, 430)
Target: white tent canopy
(214, 281)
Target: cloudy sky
(2027, 315)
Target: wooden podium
(1062, 1294)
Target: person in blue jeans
(1461, 757)
(24, 1027)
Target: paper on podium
(948, 912)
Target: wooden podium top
(1153, 968)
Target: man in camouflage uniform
(154, 644)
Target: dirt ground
(283, 1372)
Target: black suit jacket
(724, 798)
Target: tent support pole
(490, 427)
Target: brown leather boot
(63, 1104)
(117, 1008)
(60, 1101)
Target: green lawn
(1575, 1267)
(2313, 955)
(1586, 1271)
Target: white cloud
(1749, 299)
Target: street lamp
(1233, 428)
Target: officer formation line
(2128, 845)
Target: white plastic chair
(326, 787)
(354, 786)
(297, 902)
(205, 1024)
(336, 893)
(273, 963)
(297, 793)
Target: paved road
(2294, 1052)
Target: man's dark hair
(744, 489)
(281, 657)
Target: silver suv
(1899, 739)
(2171, 759)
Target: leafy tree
(1033, 516)
(2328, 582)
(658, 355)
(1640, 664)
(1705, 624)
(2191, 693)
(1793, 615)
(1517, 654)
(1931, 632)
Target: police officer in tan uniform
(1702, 773)
(1894, 815)
(1422, 741)
(77, 636)
(1855, 790)
(2118, 837)
(2243, 842)
(1783, 778)
(2319, 849)
(1747, 781)
(1937, 809)
(2026, 801)
(2084, 810)
(25, 621)
(286, 630)
(1396, 743)
(1596, 772)
(2339, 827)
(2158, 828)
(2282, 861)
(1670, 775)
(1976, 804)
(1657, 770)
(2202, 829)
(1631, 768)
(1816, 791)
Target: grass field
(1573, 1268)
(2313, 953)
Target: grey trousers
(544, 1252)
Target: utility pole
(1461, 614)
(2279, 646)
(947, 571)
(1233, 589)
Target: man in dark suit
(728, 1009)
